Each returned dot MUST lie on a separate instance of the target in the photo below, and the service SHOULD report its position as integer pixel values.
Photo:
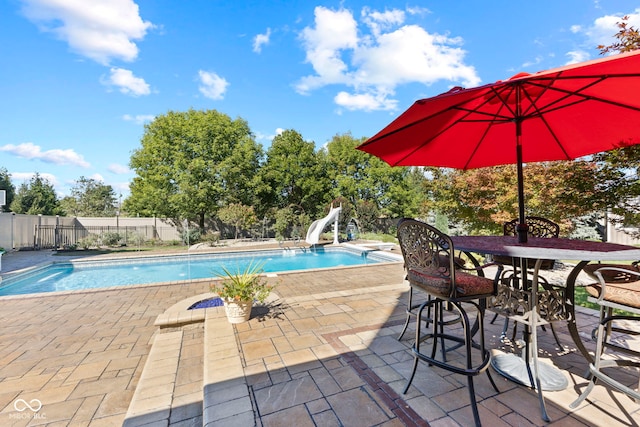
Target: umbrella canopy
(559, 114)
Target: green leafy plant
(110, 238)
(242, 285)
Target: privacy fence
(21, 232)
(34, 232)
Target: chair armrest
(482, 267)
(603, 282)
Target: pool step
(151, 402)
(225, 389)
(224, 397)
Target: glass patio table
(550, 305)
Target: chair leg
(470, 368)
(555, 335)
(416, 345)
(439, 335)
(406, 323)
(410, 312)
(593, 366)
(495, 316)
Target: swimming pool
(77, 275)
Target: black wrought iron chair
(430, 266)
(537, 227)
(617, 288)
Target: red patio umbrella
(559, 114)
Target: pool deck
(324, 351)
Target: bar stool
(618, 287)
(430, 266)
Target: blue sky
(80, 78)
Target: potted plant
(238, 290)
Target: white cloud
(127, 82)
(373, 64)
(576, 56)
(97, 177)
(365, 101)
(138, 119)
(118, 169)
(100, 29)
(212, 85)
(379, 21)
(29, 150)
(334, 32)
(537, 60)
(261, 39)
(20, 177)
(121, 187)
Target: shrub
(90, 241)
(190, 236)
(211, 237)
(138, 239)
(110, 238)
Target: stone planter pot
(238, 312)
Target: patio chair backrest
(538, 227)
(428, 250)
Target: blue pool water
(132, 271)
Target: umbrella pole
(522, 227)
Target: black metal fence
(68, 236)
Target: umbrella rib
(461, 119)
(423, 119)
(577, 92)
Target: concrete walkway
(324, 352)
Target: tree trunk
(201, 222)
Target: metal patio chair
(537, 227)
(617, 288)
(430, 266)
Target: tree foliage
(356, 175)
(294, 174)
(619, 169)
(192, 163)
(628, 38)
(483, 199)
(8, 187)
(36, 197)
(239, 215)
(90, 198)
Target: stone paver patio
(324, 352)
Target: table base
(514, 368)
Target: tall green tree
(295, 174)
(8, 187)
(90, 198)
(36, 197)
(361, 176)
(191, 164)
